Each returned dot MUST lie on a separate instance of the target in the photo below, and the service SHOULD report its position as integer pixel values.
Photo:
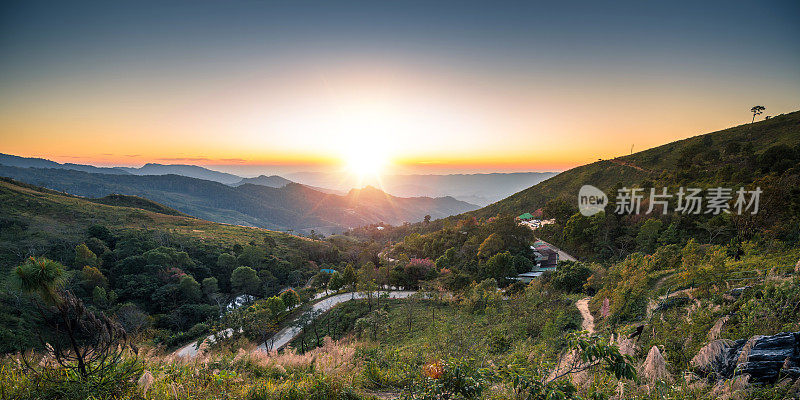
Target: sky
(418, 87)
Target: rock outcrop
(763, 358)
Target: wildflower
(433, 370)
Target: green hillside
(122, 200)
(34, 217)
(735, 155)
(145, 258)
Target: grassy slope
(653, 163)
(122, 200)
(32, 218)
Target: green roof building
(525, 217)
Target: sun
(365, 159)
(365, 163)
(365, 137)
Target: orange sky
(417, 119)
(420, 88)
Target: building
(546, 259)
(525, 217)
(328, 270)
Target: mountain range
(293, 206)
(480, 189)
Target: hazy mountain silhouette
(293, 206)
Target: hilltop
(40, 218)
(730, 156)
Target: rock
(762, 358)
(655, 367)
(714, 360)
(765, 357)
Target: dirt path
(588, 319)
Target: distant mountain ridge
(293, 206)
(481, 189)
(32, 162)
(191, 171)
(263, 180)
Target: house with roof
(525, 217)
(546, 259)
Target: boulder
(716, 359)
(762, 358)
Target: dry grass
(654, 368)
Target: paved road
(285, 335)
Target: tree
(577, 230)
(336, 282)
(84, 257)
(132, 318)
(87, 347)
(320, 280)
(210, 287)
(647, 237)
(427, 219)
(275, 305)
(492, 245)
(757, 110)
(227, 261)
(349, 278)
(190, 289)
(252, 256)
(559, 209)
(244, 280)
(91, 277)
(571, 276)
(290, 298)
(500, 267)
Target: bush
(570, 277)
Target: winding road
(285, 335)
